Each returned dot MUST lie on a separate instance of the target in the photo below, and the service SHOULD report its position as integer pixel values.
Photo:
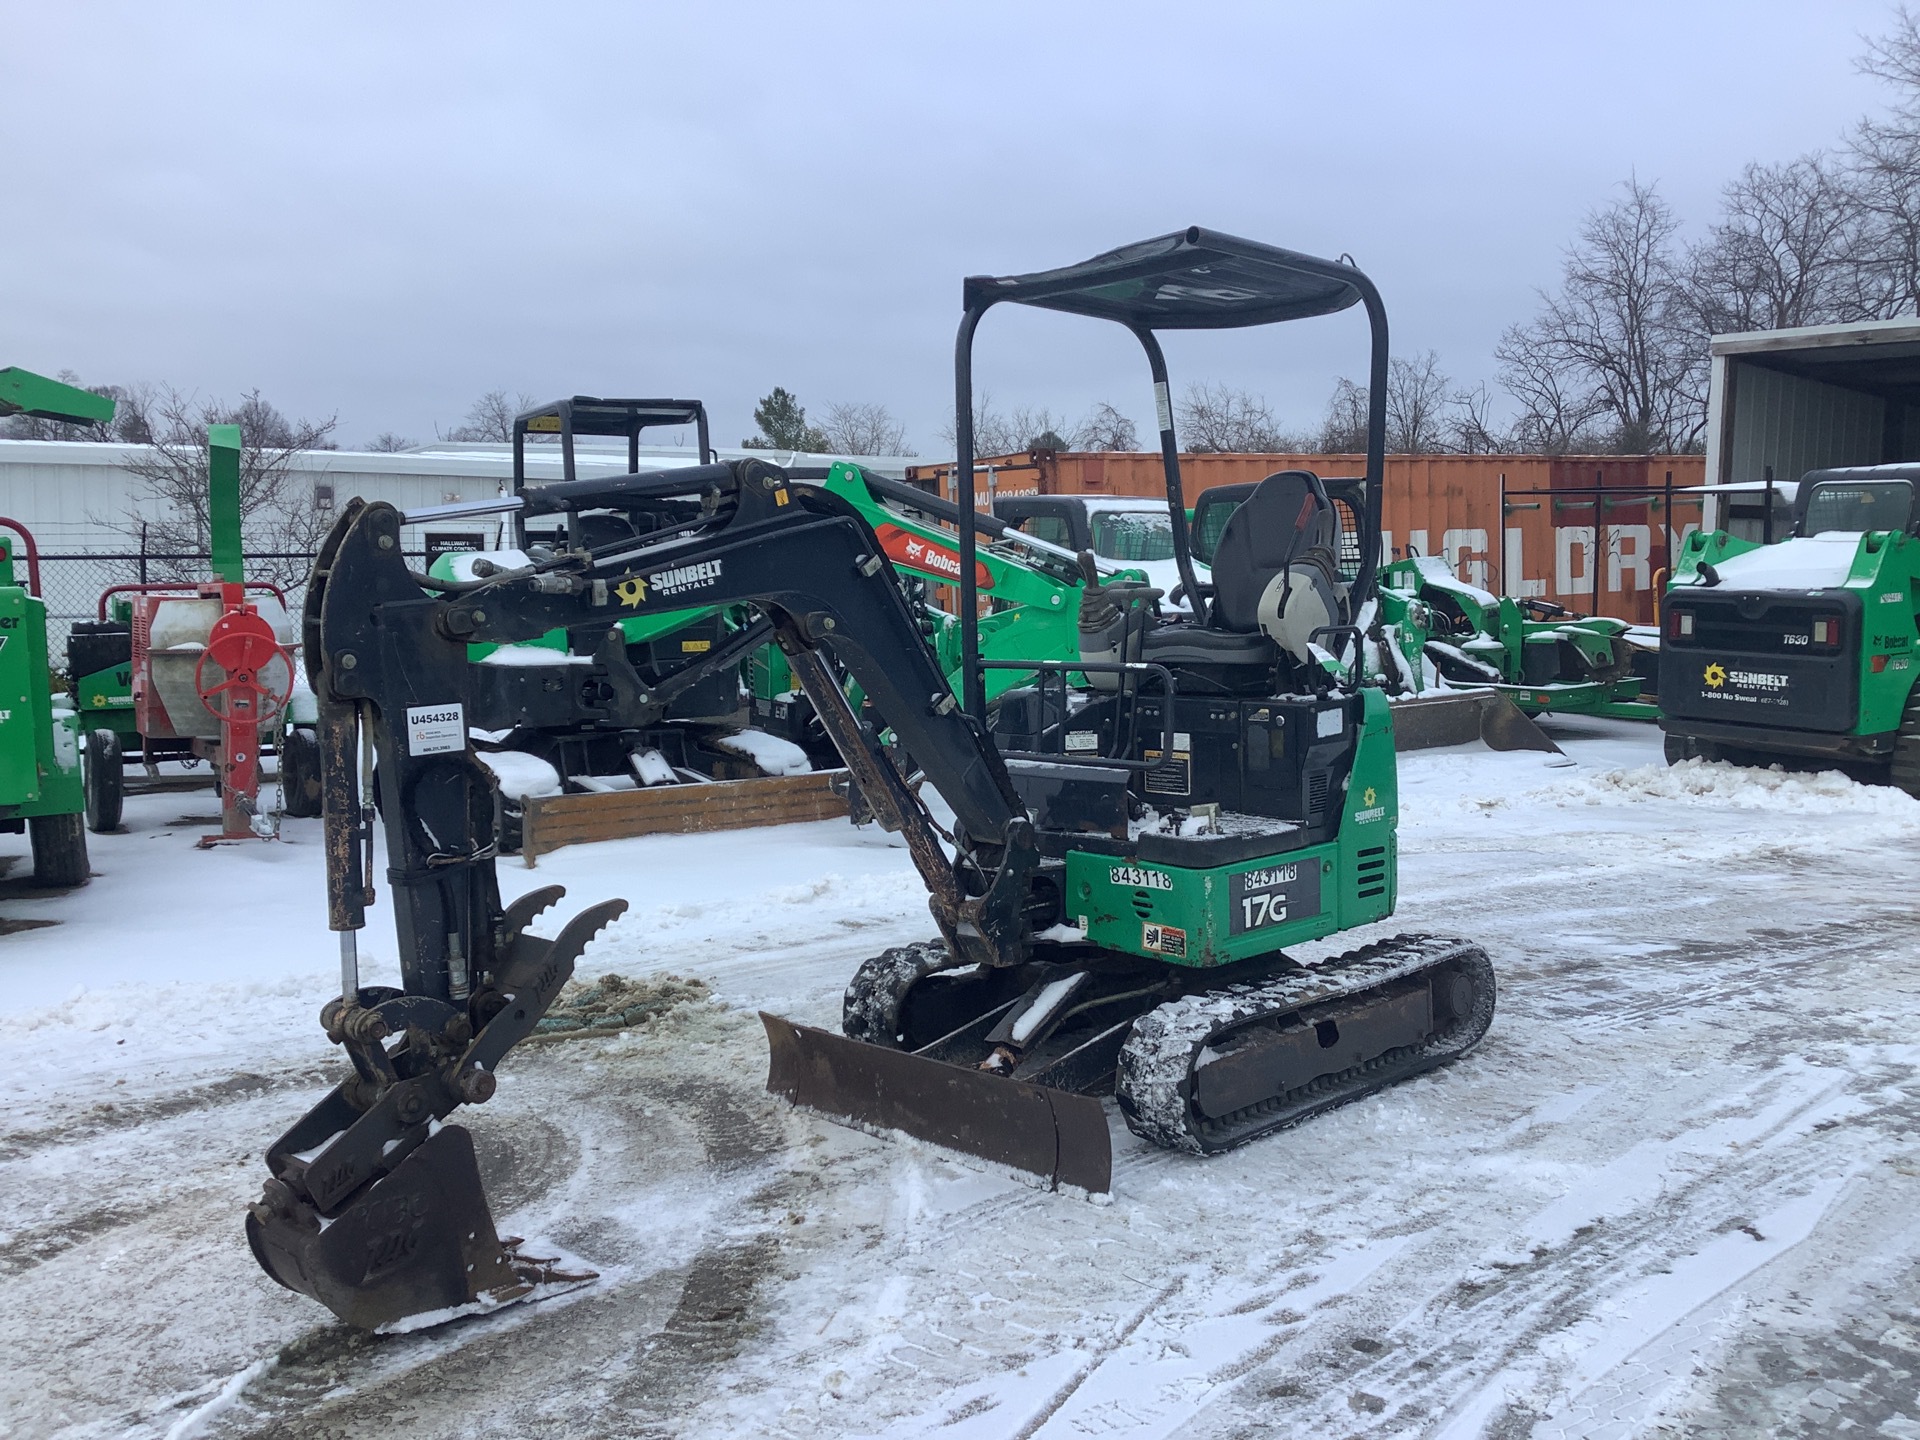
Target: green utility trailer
(1432, 626)
(1804, 649)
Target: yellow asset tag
(695, 647)
(780, 496)
(545, 424)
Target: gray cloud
(386, 210)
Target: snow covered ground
(1676, 1190)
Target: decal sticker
(1163, 939)
(701, 575)
(1082, 740)
(1133, 877)
(903, 547)
(695, 647)
(1273, 895)
(1371, 808)
(1715, 675)
(631, 592)
(436, 729)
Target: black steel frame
(981, 293)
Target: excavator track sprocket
(1210, 1071)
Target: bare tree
(863, 430)
(1105, 428)
(1040, 429)
(278, 516)
(1885, 171)
(1343, 431)
(1220, 420)
(1469, 427)
(1786, 251)
(1418, 398)
(491, 418)
(993, 432)
(1619, 344)
(388, 443)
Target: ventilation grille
(1318, 786)
(1143, 904)
(1370, 872)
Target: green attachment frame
(24, 393)
(223, 502)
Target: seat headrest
(1287, 515)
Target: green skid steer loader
(1806, 649)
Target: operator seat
(1275, 581)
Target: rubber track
(1158, 1061)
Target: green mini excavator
(1111, 907)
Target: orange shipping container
(1561, 538)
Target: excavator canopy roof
(1193, 279)
(594, 416)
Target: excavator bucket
(1461, 717)
(419, 1244)
(1057, 1136)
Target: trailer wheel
(106, 781)
(300, 774)
(59, 850)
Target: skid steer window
(1132, 535)
(1878, 505)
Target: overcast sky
(385, 210)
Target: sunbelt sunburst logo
(1715, 676)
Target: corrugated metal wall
(1598, 554)
(1793, 425)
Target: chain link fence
(72, 583)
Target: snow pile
(1818, 562)
(519, 774)
(533, 655)
(1733, 786)
(769, 752)
(651, 767)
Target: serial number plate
(1273, 895)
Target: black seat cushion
(1287, 514)
(1198, 645)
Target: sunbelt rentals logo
(697, 576)
(1715, 676)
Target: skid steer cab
(1138, 832)
(1807, 648)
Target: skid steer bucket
(1463, 716)
(1055, 1135)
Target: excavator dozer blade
(420, 1242)
(1461, 717)
(1060, 1137)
